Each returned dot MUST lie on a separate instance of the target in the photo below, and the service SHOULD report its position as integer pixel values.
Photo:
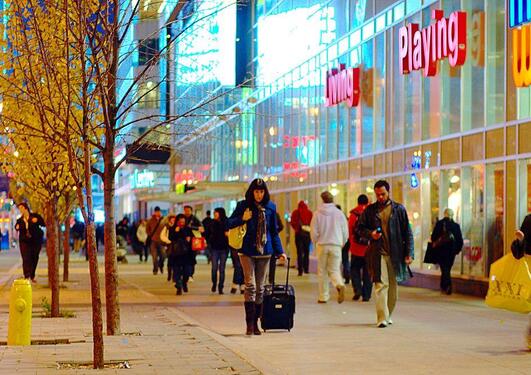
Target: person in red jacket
(301, 218)
(361, 280)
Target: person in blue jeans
(219, 248)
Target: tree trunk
(53, 259)
(111, 272)
(97, 319)
(66, 248)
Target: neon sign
(416, 164)
(422, 49)
(142, 179)
(342, 85)
(520, 14)
(297, 141)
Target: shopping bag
(431, 255)
(510, 284)
(236, 236)
(198, 243)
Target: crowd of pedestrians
(377, 236)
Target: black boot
(257, 314)
(249, 317)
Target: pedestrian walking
(521, 247)
(219, 248)
(300, 221)
(207, 221)
(181, 253)
(237, 274)
(273, 260)
(194, 224)
(345, 262)
(141, 239)
(122, 232)
(329, 232)
(154, 228)
(391, 249)
(260, 243)
(447, 242)
(30, 236)
(359, 273)
(165, 239)
(78, 235)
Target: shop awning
(203, 191)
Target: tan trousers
(386, 291)
(328, 263)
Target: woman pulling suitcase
(260, 242)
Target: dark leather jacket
(33, 234)
(400, 239)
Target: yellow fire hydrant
(20, 308)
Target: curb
(262, 365)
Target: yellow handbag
(510, 284)
(236, 236)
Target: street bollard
(20, 309)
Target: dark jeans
(361, 280)
(219, 260)
(345, 263)
(141, 250)
(237, 276)
(181, 273)
(446, 265)
(30, 259)
(302, 242)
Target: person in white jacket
(329, 231)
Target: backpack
(357, 238)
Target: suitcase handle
(287, 275)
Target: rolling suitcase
(279, 305)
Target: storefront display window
(471, 261)
(524, 193)
(495, 211)
(412, 204)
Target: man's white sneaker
(382, 325)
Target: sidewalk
(155, 339)
(202, 332)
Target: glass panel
(412, 203)
(524, 177)
(431, 104)
(367, 97)
(494, 143)
(495, 211)
(473, 147)
(473, 71)
(379, 93)
(471, 261)
(495, 62)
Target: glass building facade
(460, 139)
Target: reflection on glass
(495, 211)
